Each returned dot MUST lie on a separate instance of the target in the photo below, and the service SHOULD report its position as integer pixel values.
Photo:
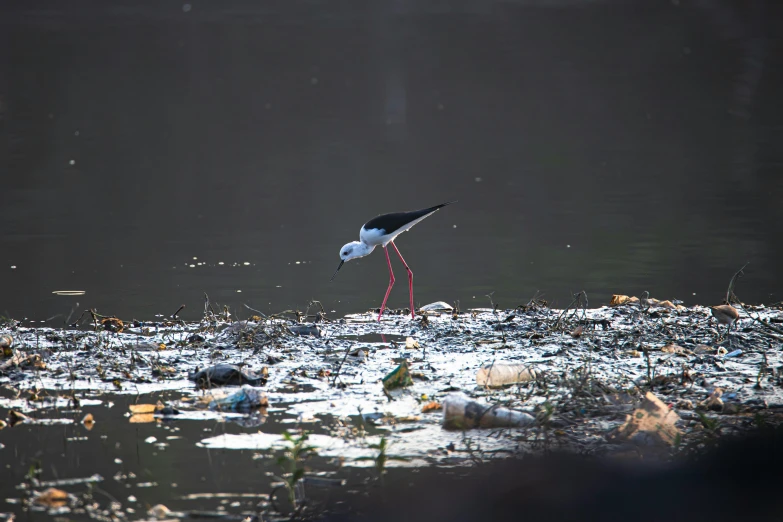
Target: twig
(650, 370)
(730, 294)
(73, 309)
(321, 315)
(534, 302)
(261, 314)
(730, 291)
(762, 367)
(644, 302)
(295, 313)
(491, 302)
(207, 305)
(337, 372)
(495, 313)
(175, 314)
(577, 302)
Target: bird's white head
(353, 250)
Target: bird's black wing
(395, 221)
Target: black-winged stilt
(383, 230)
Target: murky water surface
(154, 153)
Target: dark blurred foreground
(740, 480)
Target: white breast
(374, 237)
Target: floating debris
(142, 418)
(561, 368)
(714, 401)
(412, 344)
(88, 421)
(112, 324)
(14, 418)
(619, 299)
(652, 423)
(303, 329)
(244, 399)
(159, 512)
(436, 307)
(431, 406)
(461, 413)
(71, 481)
(499, 374)
(145, 408)
(398, 378)
(6, 341)
(223, 375)
(52, 497)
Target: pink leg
(410, 278)
(391, 283)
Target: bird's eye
(345, 253)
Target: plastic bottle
(460, 413)
(497, 374)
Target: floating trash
(224, 374)
(246, 398)
(461, 413)
(498, 374)
(398, 378)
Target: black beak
(338, 269)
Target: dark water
(596, 145)
(141, 465)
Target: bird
(725, 314)
(382, 231)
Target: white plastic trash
(499, 374)
(440, 306)
(461, 413)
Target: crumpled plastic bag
(245, 398)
